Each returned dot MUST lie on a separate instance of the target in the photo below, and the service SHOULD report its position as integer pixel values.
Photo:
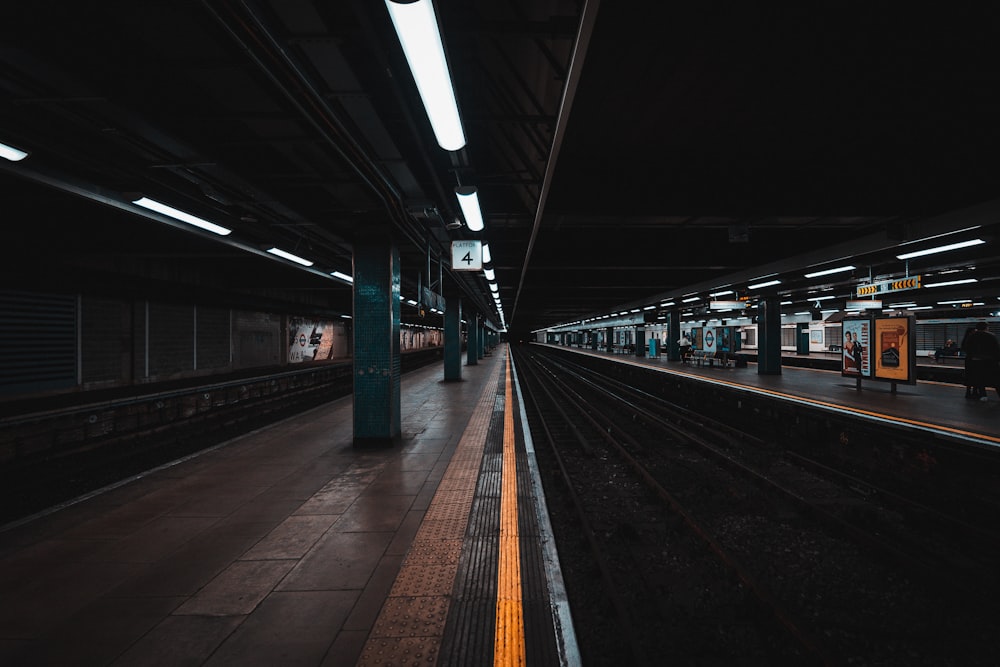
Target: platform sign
(467, 255)
(887, 286)
(709, 339)
(856, 359)
(895, 354)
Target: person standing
(982, 353)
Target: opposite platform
(280, 547)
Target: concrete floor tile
(366, 611)
(190, 568)
(397, 483)
(346, 649)
(339, 561)
(180, 641)
(405, 533)
(374, 513)
(155, 540)
(238, 589)
(292, 538)
(289, 628)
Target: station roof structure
(625, 154)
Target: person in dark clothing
(982, 353)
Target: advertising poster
(696, 338)
(857, 350)
(725, 339)
(709, 340)
(893, 349)
(304, 338)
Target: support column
(472, 341)
(453, 340)
(609, 339)
(376, 342)
(482, 339)
(673, 335)
(769, 336)
(640, 342)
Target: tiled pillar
(482, 340)
(376, 342)
(453, 340)
(769, 336)
(472, 342)
(673, 335)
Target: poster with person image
(856, 357)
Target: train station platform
(288, 546)
(937, 408)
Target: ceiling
(624, 153)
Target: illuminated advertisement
(857, 349)
(894, 354)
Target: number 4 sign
(467, 255)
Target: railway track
(709, 540)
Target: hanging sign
(467, 255)
(902, 285)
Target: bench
(701, 357)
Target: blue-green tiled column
(453, 340)
(482, 340)
(769, 336)
(376, 342)
(472, 340)
(673, 335)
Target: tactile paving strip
(410, 626)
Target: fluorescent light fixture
(901, 305)
(690, 299)
(785, 303)
(343, 276)
(347, 317)
(834, 310)
(487, 258)
(649, 307)
(945, 303)
(634, 310)
(289, 256)
(417, 28)
(468, 200)
(494, 287)
(490, 274)
(667, 304)
(176, 214)
(943, 248)
(764, 284)
(827, 272)
(806, 313)
(724, 293)
(921, 308)
(411, 302)
(952, 282)
(820, 298)
(11, 153)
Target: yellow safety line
(509, 639)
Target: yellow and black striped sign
(913, 282)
